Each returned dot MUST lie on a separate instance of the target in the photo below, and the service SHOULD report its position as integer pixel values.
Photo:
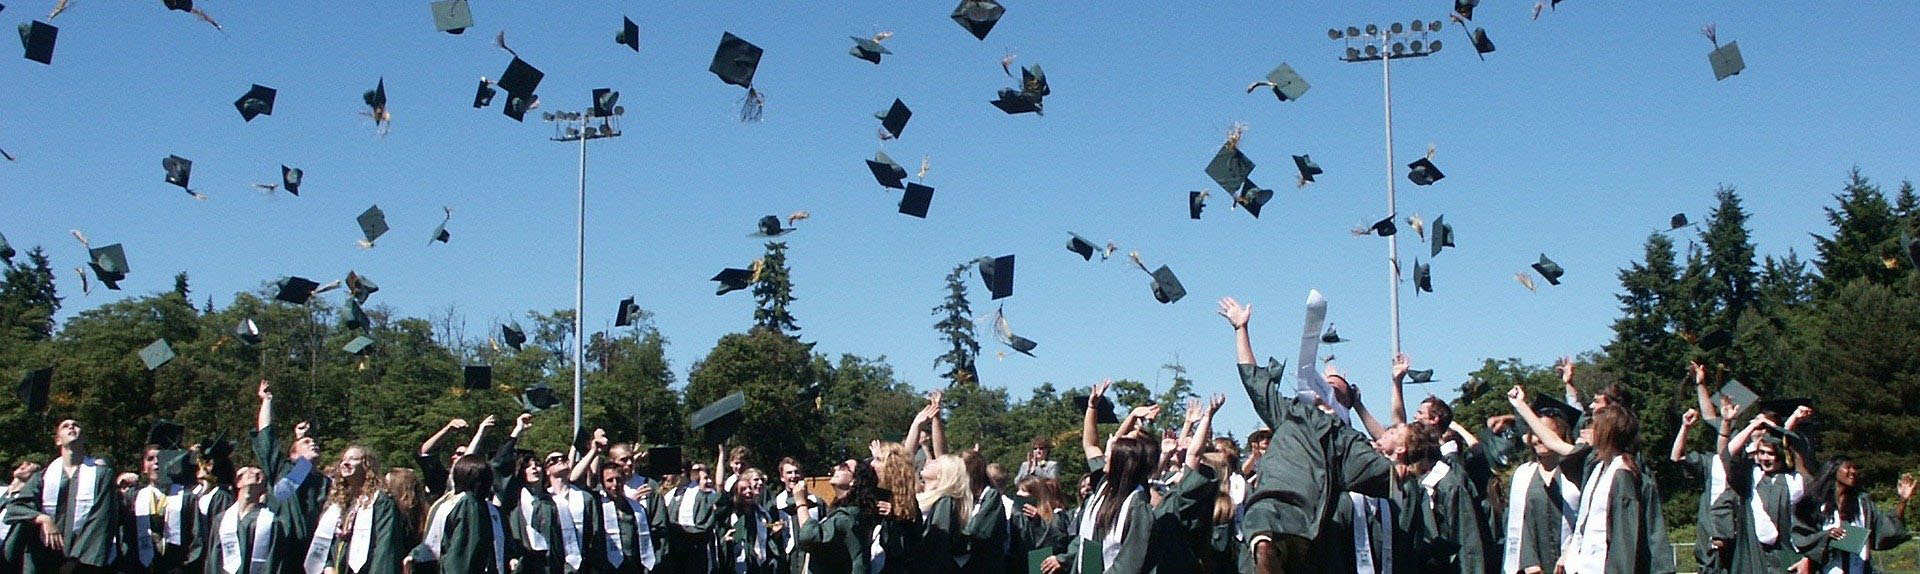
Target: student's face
(927, 477)
(1424, 413)
(1260, 445)
(150, 464)
(757, 484)
(353, 463)
(1039, 453)
(249, 481)
(533, 474)
(458, 451)
(1600, 401)
(1767, 457)
(736, 464)
(1086, 487)
(25, 470)
(1388, 443)
(697, 474)
(622, 456)
(1846, 474)
(66, 433)
(789, 474)
(842, 478)
(610, 480)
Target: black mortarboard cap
(34, 387)
(1331, 336)
(1383, 227)
(1465, 8)
(888, 172)
(624, 317)
(769, 226)
(1196, 201)
(452, 16)
(662, 461)
(1104, 410)
(167, 435)
(916, 200)
(1550, 407)
(179, 170)
(156, 354)
(629, 35)
(359, 345)
(978, 16)
(894, 120)
(605, 102)
(513, 336)
(582, 439)
(173, 466)
(732, 279)
(290, 179)
(6, 250)
(521, 78)
(1442, 235)
(867, 49)
(439, 234)
(258, 101)
(296, 290)
(735, 60)
(1080, 245)
(1725, 59)
(1422, 277)
(109, 264)
(373, 224)
(247, 331)
(38, 37)
(517, 106)
(354, 318)
(215, 448)
(1230, 168)
(376, 97)
(1015, 102)
(1287, 84)
(1253, 197)
(1481, 43)
(538, 398)
(1549, 270)
(1022, 345)
(997, 273)
(1678, 220)
(1308, 169)
(1423, 172)
(360, 287)
(477, 377)
(721, 418)
(1420, 377)
(1166, 287)
(483, 95)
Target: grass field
(1900, 560)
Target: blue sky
(1578, 137)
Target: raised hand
(1517, 395)
(1237, 315)
(1145, 413)
(457, 424)
(1099, 389)
(1728, 410)
(1699, 372)
(486, 423)
(1219, 400)
(1799, 415)
(300, 430)
(522, 423)
(1401, 364)
(599, 439)
(1690, 417)
(1565, 367)
(266, 391)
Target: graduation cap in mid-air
(1081, 246)
(629, 35)
(736, 60)
(663, 461)
(916, 199)
(1482, 45)
(156, 354)
(1548, 270)
(1230, 168)
(1253, 197)
(721, 419)
(258, 101)
(1003, 331)
(373, 224)
(440, 232)
(513, 336)
(997, 274)
(1031, 95)
(34, 388)
(483, 96)
(360, 287)
(1196, 201)
(886, 171)
(894, 120)
(1383, 228)
(1465, 8)
(296, 290)
(1166, 287)
(1423, 172)
(476, 377)
(290, 179)
(167, 435)
(769, 226)
(1104, 409)
(109, 264)
(247, 331)
(1420, 377)
(1307, 167)
(38, 39)
(1736, 392)
(978, 16)
(1726, 61)
(537, 398)
(1549, 407)
(179, 172)
(1678, 220)
(1422, 277)
(627, 313)
(376, 100)
(1287, 84)
(868, 49)
(732, 279)
(1442, 235)
(452, 16)
(354, 317)
(1331, 336)
(359, 345)
(6, 250)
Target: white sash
(877, 552)
(322, 539)
(1851, 563)
(143, 521)
(1523, 478)
(642, 523)
(1109, 544)
(230, 539)
(1433, 478)
(358, 545)
(536, 541)
(1362, 538)
(1716, 479)
(572, 505)
(754, 551)
(683, 509)
(50, 482)
(1588, 552)
(610, 523)
(1763, 525)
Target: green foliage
(774, 292)
(1866, 234)
(956, 327)
(771, 368)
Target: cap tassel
(58, 7)
(1537, 7)
(269, 188)
(1712, 32)
(85, 288)
(1006, 63)
(1525, 280)
(797, 216)
(757, 266)
(1300, 181)
(1419, 225)
(1256, 85)
(197, 195)
(926, 162)
(1137, 262)
(753, 106)
(84, 244)
(1233, 135)
(364, 244)
(501, 41)
(3, 153)
(208, 19)
(1108, 252)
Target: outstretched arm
(1679, 451)
(473, 446)
(265, 418)
(1090, 422)
(1566, 383)
(1518, 398)
(1802, 458)
(1237, 317)
(1398, 404)
(1700, 392)
(932, 409)
(1203, 432)
(433, 442)
(939, 430)
(587, 461)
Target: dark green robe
(781, 508)
(942, 539)
(1032, 533)
(899, 539)
(1811, 540)
(1702, 466)
(689, 545)
(837, 542)
(166, 557)
(1748, 554)
(1312, 458)
(389, 543)
(97, 542)
(1450, 532)
(1156, 538)
(466, 541)
(1546, 509)
(296, 506)
(13, 545)
(628, 524)
(207, 509)
(244, 542)
(1630, 535)
(752, 547)
(987, 538)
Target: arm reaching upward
(1090, 423)
(1398, 404)
(1700, 392)
(587, 460)
(1237, 317)
(1679, 451)
(1203, 432)
(1518, 398)
(932, 409)
(473, 446)
(265, 418)
(433, 442)
(939, 429)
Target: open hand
(457, 424)
(300, 430)
(1401, 364)
(1099, 389)
(1237, 315)
(1566, 370)
(1699, 372)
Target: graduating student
(1123, 529)
(245, 535)
(1541, 500)
(1838, 528)
(410, 505)
(361, 531)
(466, 534)
(212, 496)
(897, 534)
(160, 518)
(689, 508)
(1041, 522)
(1712, 549)
(1766, 488)
(626, 543)
(988, 537)
(71, 508)
(1612, 532)
(744, 540)
(1313, 457)
(295, 486)
(432, 471)
(945, 503)
(576, 509)
(837, 539)
(786, 510)
(530, 518)
(14, 541)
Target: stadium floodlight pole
(579, 126)
(1388, 44)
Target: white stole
(572, 505)
(357, 547)
(1763, 525)
(50, 482)
(437, 529)
(877, 552)
(143, 519)
(1432, 479)
(1109, 544)
(610, 523)
(536, 541)
(1851, 563)
(230, 539)
(1588, 552)
(683, 508)
(1364, 508)
(1523, 479)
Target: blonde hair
(897, 475)
(372, 480)
(949, 480)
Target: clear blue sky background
(1581, 135)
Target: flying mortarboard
(360, 287)
(624, 317)
(376, 98)
(1230, 168)
(1678, 220)
(894, 120)
(440, 232)
(1718, 339)
(1014, 102)
(769, 226)
(1383, 228)
(1420, 377)
(1253, 197)
(215, 448)
(1004, 332)
(517, 106)
(721, 419)
(1331, 336)
(1287, 84)
(732, 279)
(1442, 235)
(477, 377)
(629, 35)
(258, 101)
(167, 435)
(521, 78)
(359, 345)
(662, 461)
(354, 317)
(1481, 43)
(156, 354)
(483, 96)
(1166, 287)
(6, 250)
(1031, 95)
(916, 200)
(867, 49)
(452, 16)
(1422, 277)
(605, 103)
(1549, 270)
(978, 16)
(1423, 172)
(290, 179)
(109, 264)
(247, 332)
(886, 171)
(179, 171)
(997, 273)
(34, 387)
(1465, 8)
(1308, 169)
(735, 60)
(1080, 245)
(513, 336)
(38, 38)
(373, 224)
(1726, 61)
(1741, 396)
(537, 398)
(1104, 409)
(1196, 201)
(296, 290)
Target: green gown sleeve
(433, 474)
(940, 539)
(507, 480)
(389, 538)
(466, 547)
(1138, 539)
(1259, 383)
(266, 449)
(1456, 511)
(1888, 532)
(1660, 554)
(24, 506)
(987, 534)
(1627, 535)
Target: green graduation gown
(1450, 531)
(1777, 494)
(837, 542)
(95, 542)
(1032, 533)
(164, 556)
(1313, 457)
(623, 538)
(942, 539)
(295, 493)
(208, 507)
(781, 508)
(1629, 535)
(1884, 532)
(752, 549)
(386, 545)
(13, 544)
(466, 536)
(988, 537)
(899, 539)
(1548, 503)
(252, 541)
(689, 518)
(1153, 538)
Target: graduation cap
(38, 37)
(1420, 377)
(359, 345)
(1308, 169)
(215, 448)
(452, 16)
(886, 171)
(167, 435)
(1166, 287)
(1424, 172)
(916, 200)
(1196, 201)
(373, 224)
(1549, 270)
(296, 290)
(354, 318)
(1104, 413)
(1465, 8)
(1383, 228)
(477, 377)
(179, 171)
(34, 387)
(721, 418)
(376, 99)
(894, 120)
(1331, 336)
(1549, 407)
(1678, 220)
(582, 439)
(978, 16)
(247, 332)
(1422, 277)
(440, 232)
(735, 60)
(732, 279)
(360, 287)
(628, 311)
(662, 461)
(769, 226)
(1734, 391)
(1015, 102)
(156, 354)
(290, 179)
(513, 336)
(997, 273)
(1286, 84)
(1253, 197)
(867, 49)
(521, 78)
(1726, 61)
(483, 96)
(1080, 245)
(6, 250)
(1718, 339)
(629, 35)
(1442, 235)
(604, 103)
(109, 264)
(1908, 246)
(517, 106)
(1481, 43)
(258, 101)
(1230, 168)
(537, 398)
(1003, 331)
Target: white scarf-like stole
(437, 529)
(1109, 544)
(1763, 525)
(1524, 478)
(357, 547)
(877, 552)
(1365, 508)
(536, 541)
(1588, 553)
(685, 500)
(230, 539)
(50, 482)
(755, 551)
(573, 518)
(1432, 479)
(143, 518)
(610, 523)
(1853, 563)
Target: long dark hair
(1129, 464)
(472, 475)
(864, 495)
(1825, 494)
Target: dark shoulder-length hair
(1130, 463)
(471, 474)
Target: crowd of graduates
(1325, 486)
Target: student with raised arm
(626, 545)
(1612, 533)
(295, 483)
(837, 539)
(1541, 500)
(432, 471)
(160, 528)
(987, 535)
(1313, 457)
(1712, 550)
(1123, 530)
(929, 416)
(212, 496)
(946, 502)
(691, 519)
(897, 535)
(71, 508)
(1839, 529)
(466, 534)
(1765, 490)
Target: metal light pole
(579, 126)
(1385, 45)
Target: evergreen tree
(774, 292)
(1865, 231)
(180, 286)
(1785, 284)
(1644, 357)
(1730, 260)
(28, 299)
(1906, 205)
(956, 327)
(771, 368)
